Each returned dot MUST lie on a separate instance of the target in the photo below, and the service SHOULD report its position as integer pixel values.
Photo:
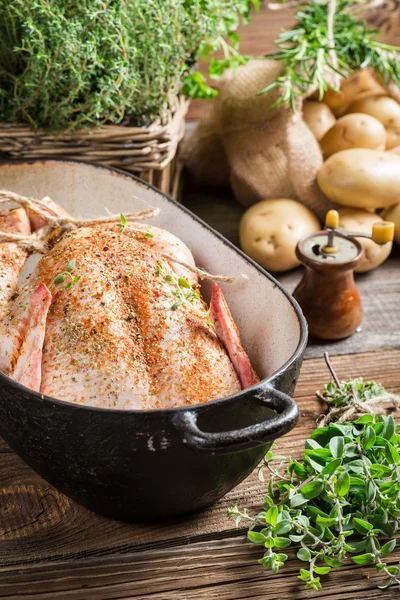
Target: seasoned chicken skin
(109, 319)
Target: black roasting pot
(140, 465)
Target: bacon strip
(228, 334)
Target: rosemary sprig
(67, 273)
(306, 53)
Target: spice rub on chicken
(109, 319)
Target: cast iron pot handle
(248, 437)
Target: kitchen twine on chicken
(37, 242)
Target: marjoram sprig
(342, 500)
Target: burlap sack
(203, 153)
(271, 152)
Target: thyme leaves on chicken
(184, 293)
(123, 223)
(342, 499)
(67, 273)
(149, 233)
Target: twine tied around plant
(354, 408)
(38, 241)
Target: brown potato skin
(357, 219)
(361, 178)
(318, 117)
(386, 110)
(354, 131)
(269, 232)
(360, 85)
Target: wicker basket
(149, 152)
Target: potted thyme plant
(105, 80)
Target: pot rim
(159, 412)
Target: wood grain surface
(52, 548)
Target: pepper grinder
(327, 293)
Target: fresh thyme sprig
(123, 223)
(341, 500)
(185, 294)
(67, 273)
(306, 52)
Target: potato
(361, 178)
(361, 84)
(386, 110)
(269, 232)
(356, 219)
(319, 118)
(393, 214)
(354, 131)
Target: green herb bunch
(66, 64)
(341, 500)
(305, 52)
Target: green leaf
(336, 446)
(282, 527)
(282, 557)
(304, 554)
(363, 559)
(391, 453)
(388, 548)
(72, 282)
(311, 444)
(304, 575)
(71, 265)
(342, 485)
(332, 562)
(281, 542)
(168, 278)
(271, 516)
(297, 500)
(256, 537)
(389, 428)
(315, 465)
(369, 437)
(60, 278)
(183, 283)
(312, 489)
(176, 305)
(322, 570)
(331, 467)
(326, 521)
(361, 525)
(365, 419)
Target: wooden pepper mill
(327, 293)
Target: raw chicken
(108, 320)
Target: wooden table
(53, 549)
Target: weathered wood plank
(38, 524)
(379, 289)
(221, 570)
